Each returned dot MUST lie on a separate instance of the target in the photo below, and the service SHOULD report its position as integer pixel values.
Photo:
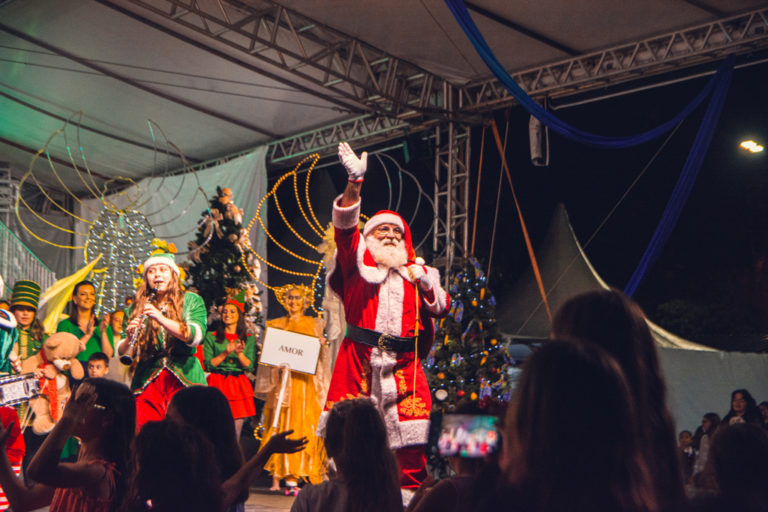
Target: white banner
(298, 352)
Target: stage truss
(389, 96)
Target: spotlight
(751, 146)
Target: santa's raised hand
(355, 166)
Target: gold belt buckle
(382, 341)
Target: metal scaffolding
(390, 95)
(298, 51)
(451, 201)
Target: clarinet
(127, 358)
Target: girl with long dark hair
(615, 323)
(208, 410)
(367, 477)
(230, 351)
(593, 462)
(743, 409)
(172, 471)
(102, 415)
(168, 325)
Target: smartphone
(469, 435)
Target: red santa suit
(385, 368)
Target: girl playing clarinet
(165, 325)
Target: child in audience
(102, 415)
(174, 470)
(687, 453)
(703, 438)
(208, 410)
(739, 453)
(98, 365)
(763, 406)
(367, 475)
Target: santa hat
(390, 217)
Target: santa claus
(389, 302)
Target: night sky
(710, 283)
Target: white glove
(419, 273)
(355, 166)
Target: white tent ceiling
(124, 62)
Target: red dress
(14, 448)
(76, 499)
(229, 377)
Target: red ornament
(460, 393)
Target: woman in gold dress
(303, 399)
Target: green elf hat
(163, 254)
(238, 301)
(25, 293)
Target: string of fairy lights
(120, 234)
(310, 219)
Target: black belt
(380, 340)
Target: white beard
(387, 256)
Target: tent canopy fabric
(60, 58)
(699, 379)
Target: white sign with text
(298, 351)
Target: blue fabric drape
(684, 182)
(462, 16)
(718, 85)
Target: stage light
(751, 146)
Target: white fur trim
(440, 304)
(7, 319)
(321, 423)
(384, 387)
(384, 398)
(198, 334)
(155, 260)
(382, 218)
(389, 314)
(345, 217)
(413, 432)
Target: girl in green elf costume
(167, 325)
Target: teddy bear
(57, 355)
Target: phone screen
(468, 435)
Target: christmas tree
(469, 361)
(222, 264)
